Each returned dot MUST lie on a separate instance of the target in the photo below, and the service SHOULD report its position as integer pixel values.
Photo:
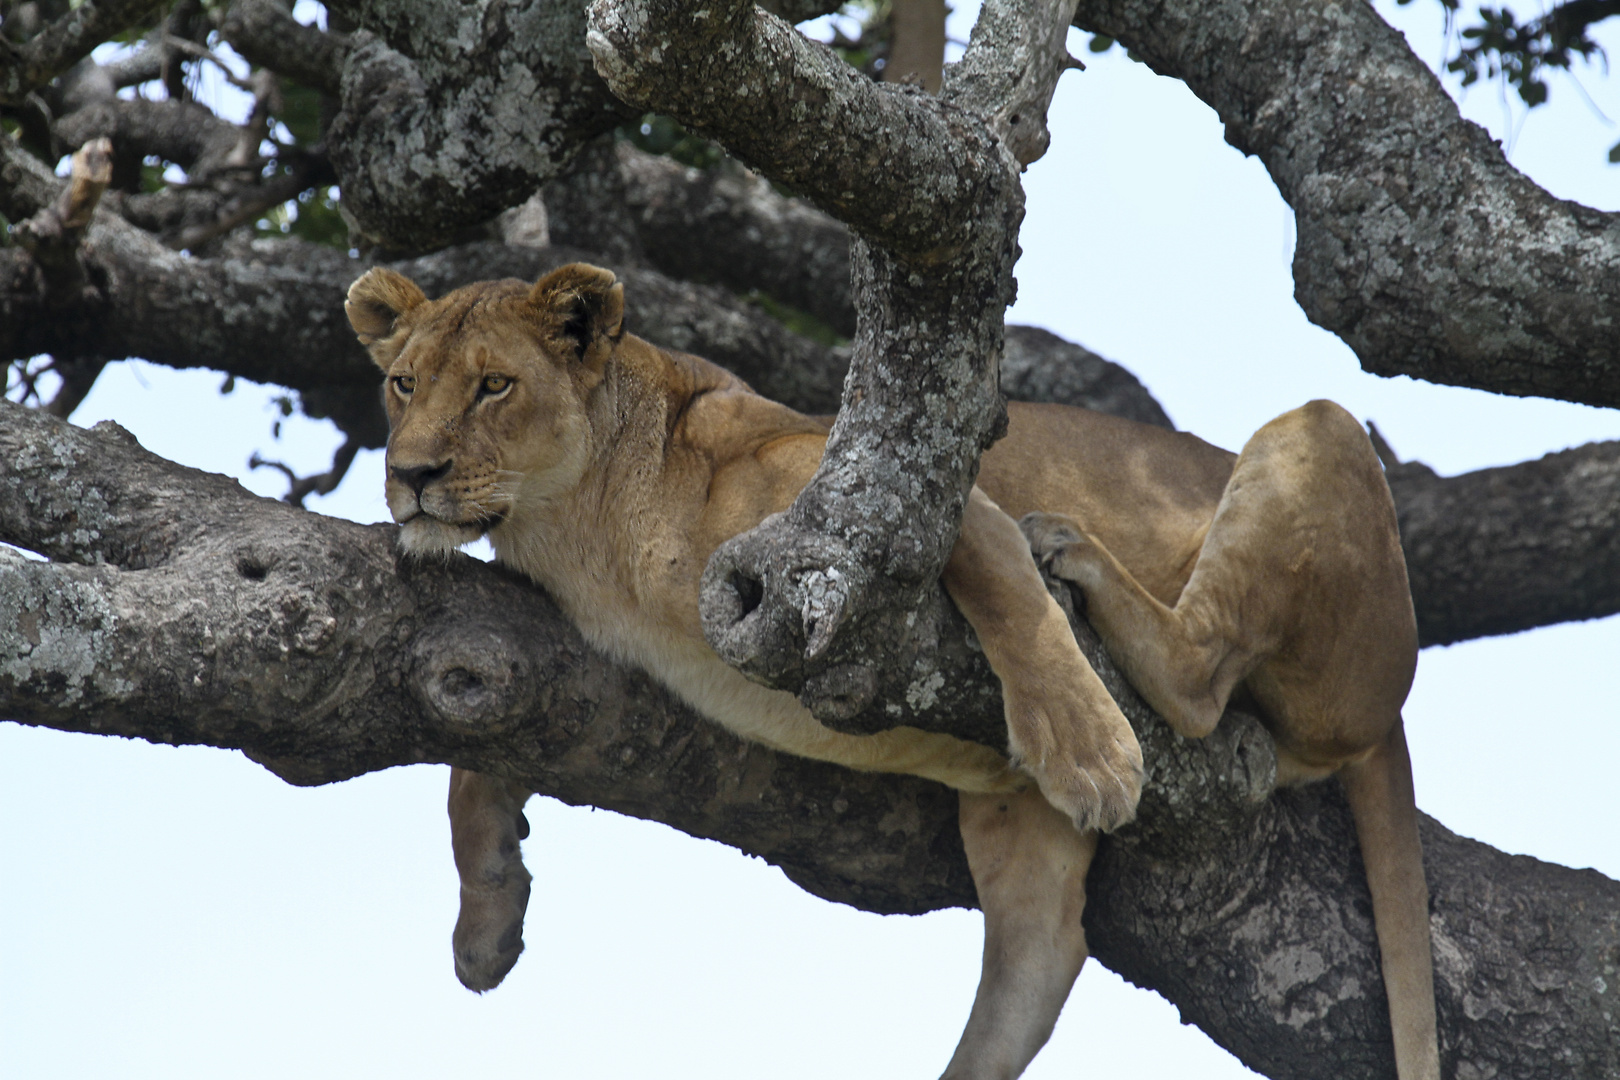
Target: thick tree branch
(902, 168)
(185, 610)
(452, 114)
(1419, 244)
(265, 32)
(1503, 550)
(931, 185)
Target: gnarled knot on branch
(473, 675)
(773, 601)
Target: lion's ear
(377, 301)
(580, 308)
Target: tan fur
(608, 471)
(1298, 594)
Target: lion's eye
(405, 384)
(494, 384)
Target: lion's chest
(650, 621)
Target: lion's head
(486, 391)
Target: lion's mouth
(483, 522)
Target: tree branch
(1503, 550)
(450, 117)
(217, 312)
(729, 226)
(183, 132)
(185, 610)
(1040, 366)
(1419, 244)
(907, 170)
(27, 67)
(265, 32)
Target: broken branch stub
(53, 235)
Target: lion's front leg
(1029, 866)
(1062, 726)
(486, 823)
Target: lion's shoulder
(720, 415)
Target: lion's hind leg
(1299, 591)
(1168, 654)
(1299, 587)
(486, 823)
(1029, 866)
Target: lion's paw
(1086, 760)
(1095, 795)
(488, 938)
(1049, 535)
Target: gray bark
(1418, 244)
(452, 114)
(1499, 550)
(183, 610)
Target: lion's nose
(417, 477)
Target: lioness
(608, 470)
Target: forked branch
(931, 188)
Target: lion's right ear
(377, 301)
(581, 309)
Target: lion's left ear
(580, 308)
(376, 301)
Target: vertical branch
(931, 187)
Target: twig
(324, 483)
(201, 52)
(244, 208)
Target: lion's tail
(1380, 794)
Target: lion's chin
(425, 537)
